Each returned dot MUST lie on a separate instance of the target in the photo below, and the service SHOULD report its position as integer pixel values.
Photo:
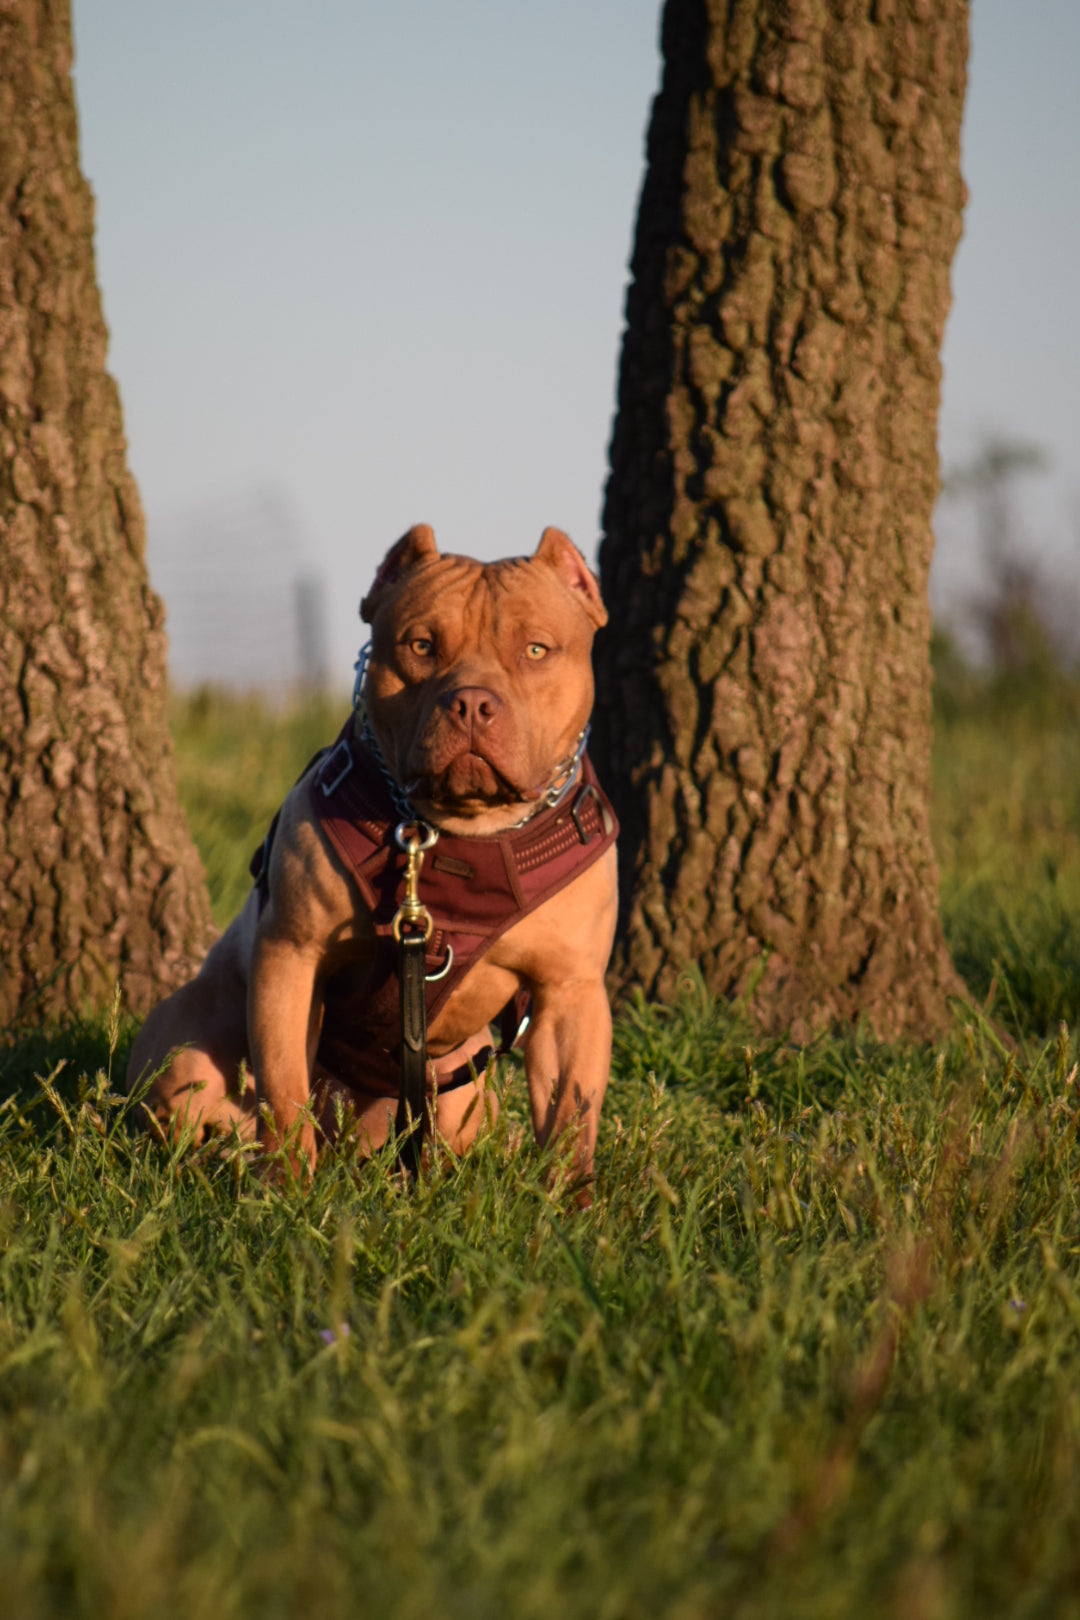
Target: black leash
(412, 928)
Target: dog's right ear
(560, 553)
(403, 556)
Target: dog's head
(479, 681)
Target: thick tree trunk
(99, 879)
(764, 695)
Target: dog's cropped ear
(403, 556)
(559, 552)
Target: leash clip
(415, 838)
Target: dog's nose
(471, 706)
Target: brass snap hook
(415, 838)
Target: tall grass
(814, 1351)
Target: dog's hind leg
(193, 1048)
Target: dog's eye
(536, 650)
(423, 646)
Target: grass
(814, 1351)
(1006, 829)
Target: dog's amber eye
(423, 647)
(536, 650)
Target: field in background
(1006, 828)
(814, 1351)
(1006, 819)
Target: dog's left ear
(559, 552)
(403, 556)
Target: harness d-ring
(433, 978)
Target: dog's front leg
(567, 1064)
(281, 996)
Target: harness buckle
(584, 793)
(331, 787)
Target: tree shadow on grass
(66, 1055)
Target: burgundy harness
(475, 889)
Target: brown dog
(478, 692)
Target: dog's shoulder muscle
(311, 899)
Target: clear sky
(370, 260)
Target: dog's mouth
(469, 779)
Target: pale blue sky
(373, 257)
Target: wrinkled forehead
(461, 590)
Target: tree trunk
(764, 698)
(99, 879)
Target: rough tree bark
(764, 700)
(99, 879)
